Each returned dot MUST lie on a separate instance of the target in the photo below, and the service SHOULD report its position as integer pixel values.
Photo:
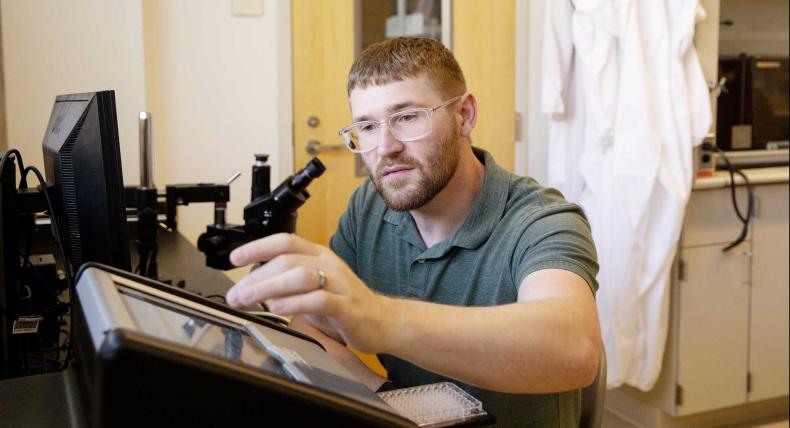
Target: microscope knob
(212, 244)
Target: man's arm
(547, 341)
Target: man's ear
(468, 110)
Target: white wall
(218, 86)
(59, 47)
(759, 27)
(219, 91)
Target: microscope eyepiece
(261, 157)
(304, 176)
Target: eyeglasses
(406, 125)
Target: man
(444, 264)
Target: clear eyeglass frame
(346, 133)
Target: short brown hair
(404, 57)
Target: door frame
(284, 95)
(531, 124)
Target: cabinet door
(713, 328)
(768, 351)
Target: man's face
(408, 174)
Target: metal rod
(146, 151)
(233, 177)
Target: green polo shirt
(516, 227)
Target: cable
(18, 156)
(37, 272)
(3, 159)
(744, 218)
(66, 265)
(29, 294)
(25, 261)
(41, 348)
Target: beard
(409, 193)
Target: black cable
(66, 266)
(744, 218)
(41, 348)
(3, 159)
(18, 156)
(25, 261)
(52, 291)
(151, 257)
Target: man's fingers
(275, 267)
(267, 248)
(317, 302)
(297, 280)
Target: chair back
(593, 397)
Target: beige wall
(3, 134)
(759, 27)
(52, 48)
(218, 89)
(217, 85)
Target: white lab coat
(627, 102)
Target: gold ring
(321, 278)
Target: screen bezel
(176, 294)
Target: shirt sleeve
(556, 238)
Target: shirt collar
(488, 208)
(482, 219)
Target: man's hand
(290, 280)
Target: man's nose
(388, 144)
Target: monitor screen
(174, 323)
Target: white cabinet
(713, 330)
(731, 308)
(768, 345)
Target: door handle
(314, 147)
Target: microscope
(267, 213)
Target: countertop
(755, 175)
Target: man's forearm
(525, 347)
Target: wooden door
(484, 36)
(323, 50)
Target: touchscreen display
(174, 323)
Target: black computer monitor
(85, 181)
(82, 159)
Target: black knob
(212, 244)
